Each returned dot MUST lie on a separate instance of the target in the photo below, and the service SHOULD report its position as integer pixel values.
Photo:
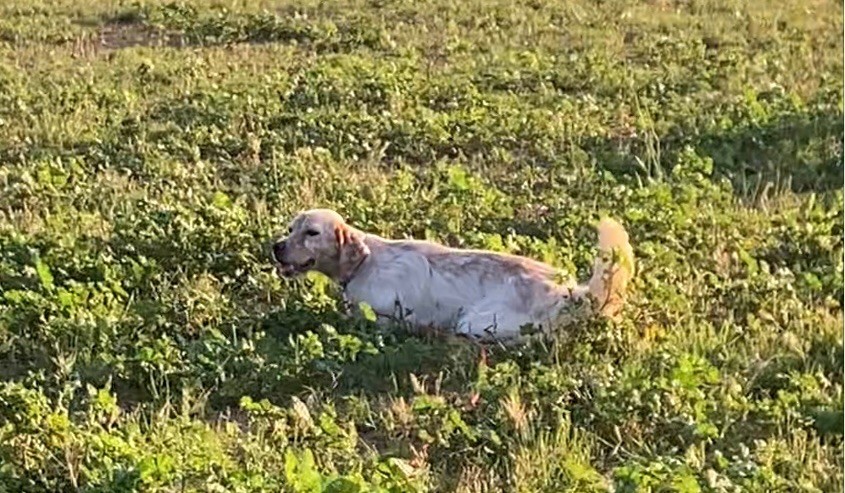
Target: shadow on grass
(323, 351)
(797, 151)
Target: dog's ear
(351, 249)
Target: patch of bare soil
(117, 36)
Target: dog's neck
(347, 277)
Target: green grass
(149, 151)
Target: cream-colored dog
(478, 293)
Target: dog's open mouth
(291, 270)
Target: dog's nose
(278, 251)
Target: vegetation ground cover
(149, 150)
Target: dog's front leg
(353, 311)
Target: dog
(481, 294)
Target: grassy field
(149, 151)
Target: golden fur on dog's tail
(613, 268)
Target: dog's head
(319, 239)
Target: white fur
(478, 293)
(400, 281)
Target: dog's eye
(290, 230)
(312, 232)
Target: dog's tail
(612, 270)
